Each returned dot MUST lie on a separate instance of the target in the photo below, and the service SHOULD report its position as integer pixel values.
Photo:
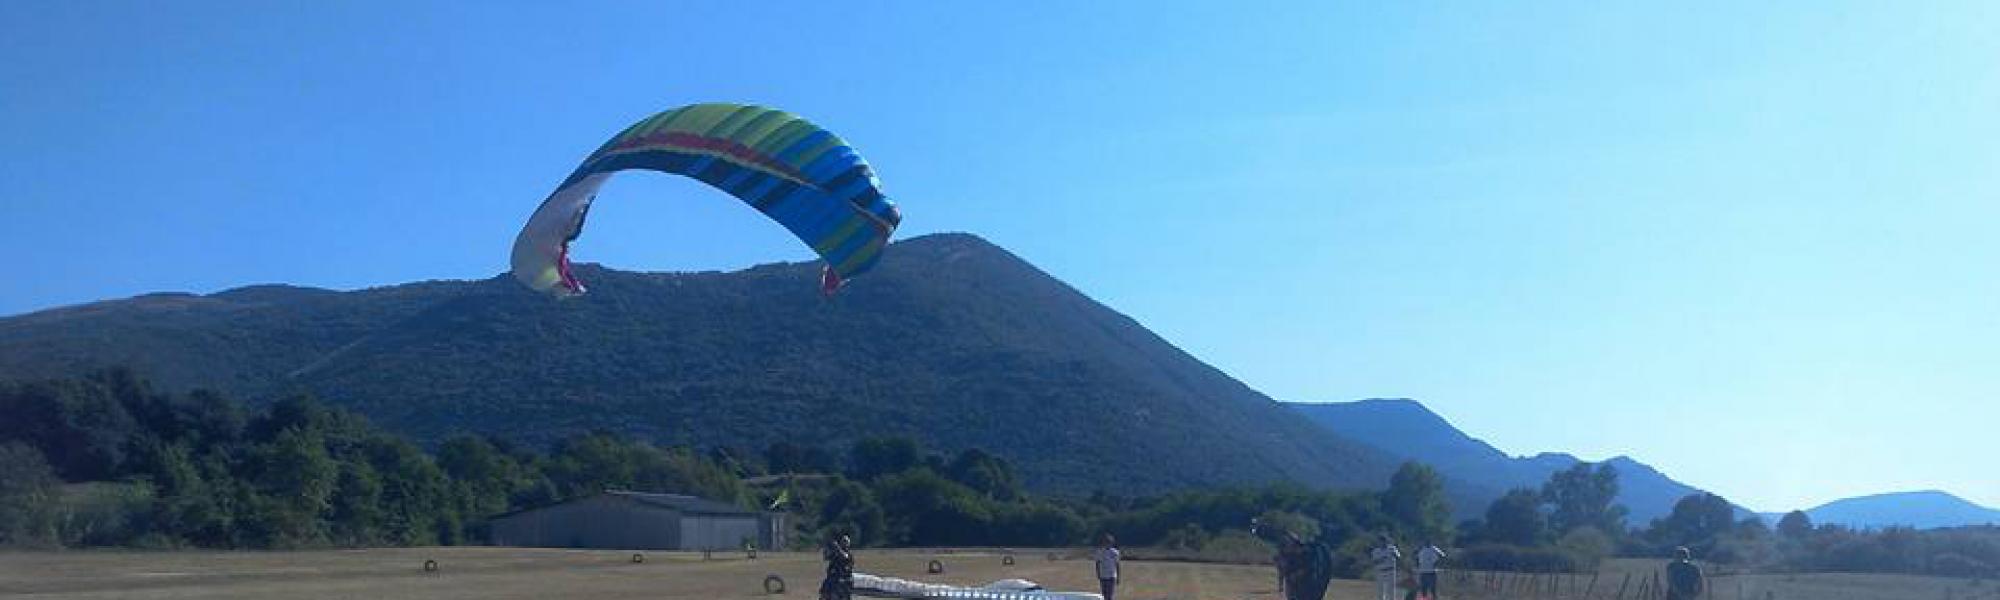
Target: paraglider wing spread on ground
(1008, 589)
(794, 172)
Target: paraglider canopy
(801, 176)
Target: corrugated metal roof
(680, 502)
(683, 503)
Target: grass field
(1630, 575)
(485, 573)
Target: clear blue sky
(1752, 245)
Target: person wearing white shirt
(1106, 557)
(1386, 558)
(1427, 571)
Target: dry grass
(488, 573)
(1632, 574)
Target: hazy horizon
(1747, 245)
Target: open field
(1626, 578)
(485, 573)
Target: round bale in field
(638, 558)
(773, 584)
(430, 566)
(934, 568)
(1007, 560)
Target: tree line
(106, 460)
(1573, 521)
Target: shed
(620, 519)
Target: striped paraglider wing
(801, 176)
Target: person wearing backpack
(1684, 578)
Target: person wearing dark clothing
(1684, 578)
(839, 582)
(1291, 554)
(1307, 568)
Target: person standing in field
(1304, 569)
(839, 582)
(1386, 558)
(1684, 578)
(1106, 557)
(1291, 556)
(1427, 570)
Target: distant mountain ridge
(951, 339)
(1407, 429)
(1921, 509)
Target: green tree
(484, 478)
(1516, 518)
(787, 457)
(29, 492)
(79, 427)
(187, 508)
(1584, 496)
(592, 463)
(850, 508)
(416, 507)
(1035, 524)
(1696, 521)
(926, 509)
(985, 473)
(1795, 525)
(211, 418)
(356, 515)
(295, 477)
(1415, 499)
(878, 456)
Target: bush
(104, 514)
(1234, 546)
(1185, 537)
(1952, 564)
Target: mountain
(1408, 430)
(951, 339)
(1922, 510)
